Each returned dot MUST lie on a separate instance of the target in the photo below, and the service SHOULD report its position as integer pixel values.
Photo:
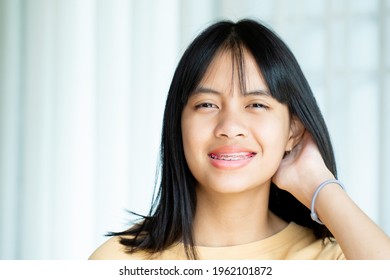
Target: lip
(231, 157)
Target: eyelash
(205, 105)
(258, 106)
(211, 105)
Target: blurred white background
(82, 90)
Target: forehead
(230, 71)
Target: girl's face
(234, 141)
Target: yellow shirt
(294, 242)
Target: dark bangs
(197, 58)
(274, 59)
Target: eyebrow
(265, 92)
(258, 92)
(205, 90)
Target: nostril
(231, 127)
(231, 135)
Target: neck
(234, 219)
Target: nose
(231, 124)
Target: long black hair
(171, 216)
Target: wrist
(312, 183)
(324, 184)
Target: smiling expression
(233, 140)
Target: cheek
(195, 130)
(193, 134)
(186, 136)
(192, 147)
(273, 135)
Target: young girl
(248, 170)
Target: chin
(231, 187)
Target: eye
(205, 105)
(258, 106)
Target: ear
(296, 133)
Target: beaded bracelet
(313, 214)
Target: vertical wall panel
(83, 87)
(11, 21)
(113, 129)
(74, 132)
(384, 111)
(36, 124)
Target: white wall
(82, 92)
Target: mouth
(232, 156)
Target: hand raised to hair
(302, 170)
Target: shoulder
(303, 245)
(112, 249)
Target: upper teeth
(234, 156)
